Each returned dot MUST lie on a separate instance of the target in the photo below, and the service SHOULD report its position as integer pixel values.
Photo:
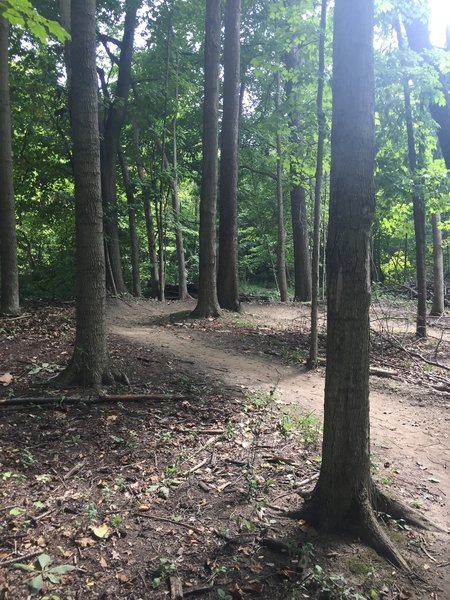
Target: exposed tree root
(362, 523)
(81, 374)
(397, 510)
(370, 531)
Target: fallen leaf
(101, 531)
(84, 542)
(6, 379)
(103, 562)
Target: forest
(224, 291)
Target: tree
(313, 349)
(8, 238)
(418, 204)
(110, 146)
(88, 365)
(302, 262)
(208, 304)
(345, 495)
(281, 244)
(228, 274)
(438, 305)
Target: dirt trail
(410, 430)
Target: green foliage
(43, 572)
(23, 14)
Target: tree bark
(9, 291)
(344, 496)
(151, 244)
(183, 293)
(437, 308)
(314, 343)
(88, 364)
(228, 273)
(208, 304)
(418, 204)
(302, 261)
(110, 144)
(281, 241)
(134, 240)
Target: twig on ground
(11, 561)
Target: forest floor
(189, 491)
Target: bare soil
(137, 495)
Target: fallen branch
(89, 400)
(11, 561)
(171, 521)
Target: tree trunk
(153, 258)
(110, 143)
(437, 308)
(88, 365)
(9, 304)
(418, 204)
(134, 240)
(228, 273)
(314, 344)
(183, 293)
(281, 241)
(419, 40)
(344, 496)
(208, 304)
(302, 261)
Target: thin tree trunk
(110, 143)
(208, 304)
(88, 365)
(302, 261)
(228, 273)
(418, 205)
(151, 244)
(183, 293)
(134, 240)
(438, 268)
(281, 242)
(9, 291)
(313, 350)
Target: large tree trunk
(89, 361)
(9, 304)
(344, 495)
(208, 304)
(314, 344)
(281, 230)
(228, 274)
(134, 240)
(110, 144)
(145, 187)
(418, 205)
(437, 308)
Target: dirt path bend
(410, 430)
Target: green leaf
(36, 585)
(44, 560)
(24, 567)
(16, 511)
(62, 569)
(52, 578)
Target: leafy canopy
(22, 13)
